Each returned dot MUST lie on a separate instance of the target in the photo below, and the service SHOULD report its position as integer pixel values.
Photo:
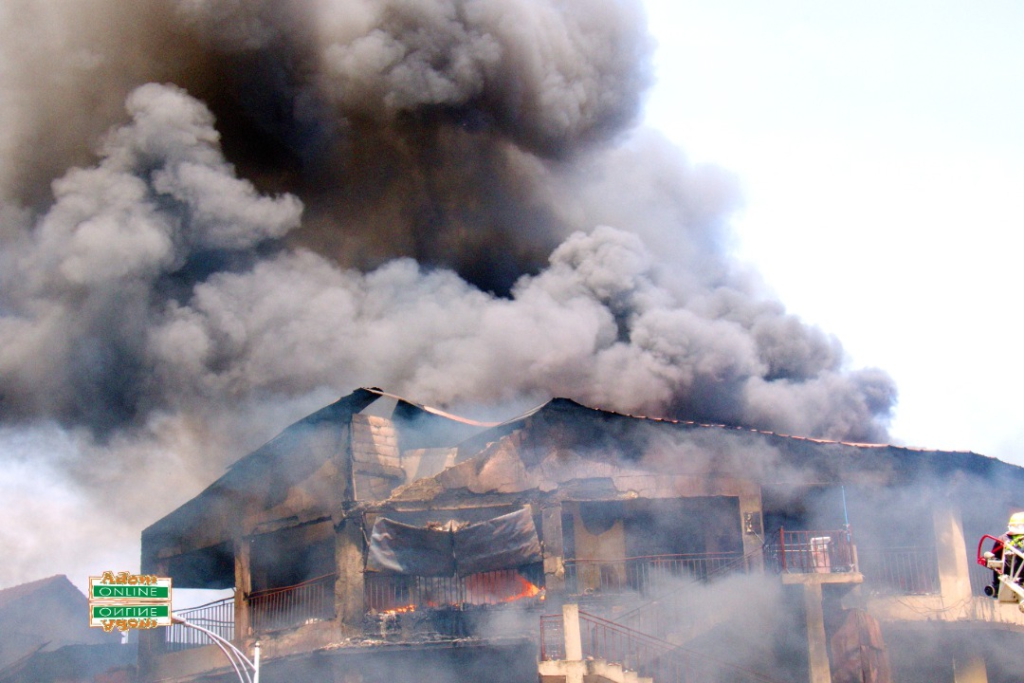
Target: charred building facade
(381, 540)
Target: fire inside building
(381, 540)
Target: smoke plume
(217, 215)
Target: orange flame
(528, 590)
(401, 610)
(491, 588)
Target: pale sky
(880, 150)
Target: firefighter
(1014, 536)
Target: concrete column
(970, 670)
(609, 546)
(753, 538)
(554, 548)
(951, 555)
(575, 667)
(243, 587)
(571, 629)
(817, 646)
(349, 606)
(152, 642)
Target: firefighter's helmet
(1015, 527)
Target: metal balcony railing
(387, 592)
(660, 612)
(812, 552)
(900, 571)
(640, 652)
(279, 608)
(217, 616)
(645, 575)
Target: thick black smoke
(421, 129)
(211, 210)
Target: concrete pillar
(575, 667)
(243, 587)
(554, 548)
(970, 670)
(571, 629)
(608, 546)
(152, 642)
(951, 554)
(752, 526)
(349, 606)
(817, 646)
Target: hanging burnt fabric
(397, 548)
(858, 651)
(504, 542)
(501, 543)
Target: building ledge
(810, 578)
(976, 610)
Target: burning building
(211, 211)
(378, 538)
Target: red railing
(217, 616)
(278, 608)
(900, 571)
(385, 592)
(645, 654)
(645, 574)
(813, 552)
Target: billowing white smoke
(445, 202)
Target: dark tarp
(504, 542)
(500, 543)
(397, 548)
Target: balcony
(813, 556)
(907, 570)
(646, 575)
(812, 552)
(275, 609)
(218, 616)
(391, 593)
(431, 608)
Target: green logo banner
(107, 592)
(130, 611)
